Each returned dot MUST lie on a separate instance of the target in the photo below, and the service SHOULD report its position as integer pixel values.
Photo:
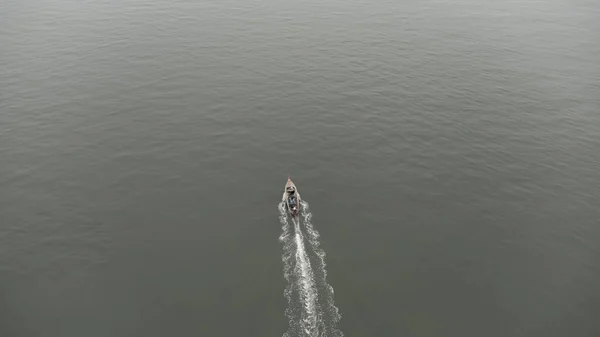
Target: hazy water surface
(450, 152)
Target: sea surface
(449, 150)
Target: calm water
(450, 152)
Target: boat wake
(311, 310)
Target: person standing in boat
(292, 199)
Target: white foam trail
(304, 320)
(308, 290)
(307, 314)
(292, 311)
(327, 297)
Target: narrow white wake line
(303, 320)
(311, 309)
(308, 291)
(331, 311)
(291, 312)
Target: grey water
(450, 152)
